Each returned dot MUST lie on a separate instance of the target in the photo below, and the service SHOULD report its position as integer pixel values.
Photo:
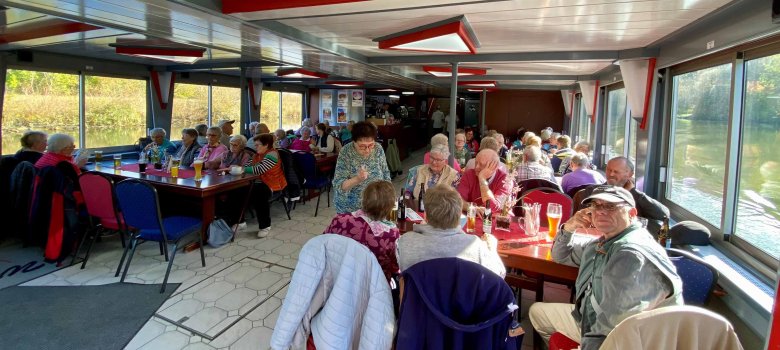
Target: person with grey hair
(212, 152)
(281, 140)
(431, 174)
(581, 147)
(158, 140)
(443, 140)
(581, 175)
(237, 154)
(60, 148)
(563, 152)
(202, 128)
(306, 123)
(485, 183)
(189, 147)
(488, 142)
(442, 236)
(532, 167)
(33, 145)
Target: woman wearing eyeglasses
(212, 152)
(360, 163)
(437, 171)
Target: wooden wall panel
(314, 105)
(509, 110)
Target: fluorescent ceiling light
(300, 73)
(481, 83)
(172, 54)
(452, 35)
(387, 90)
(447, 71)
(345, 83)
(408, 93)
(480, 90)
(394, 96)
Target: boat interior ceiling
(529, 44)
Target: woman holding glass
(359, 163)
(213, 150)
(189, 148)
(237, 155)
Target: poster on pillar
(342, 98)
(346, 105)
(357, 98)
(326, 105)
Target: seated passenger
(621, 273)
(345, 134)
(536, 141)
(237, 155)
(226, 126)
(442, 236)
(562, 153)
(581, 147)
(485, 182)
(435, 173)
(60, 148)
(304, 142)
(471, 142)
(462, 154)
(581, 174)
(502, 142)
(360, 163)
(33, 146)
(202, 128)
(281, 140)
(189, 148)
(160, 142)
(488, 142)
(440, 139)
(371, 225)
(532, 167)
(213, 150)
(267, 164)
(326, 142)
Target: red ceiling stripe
(284, 72)
(239, 6)
(157, 88)
(251, 86)
(648, 89)
(476, 82)
(449, 28)
(473, 71)
(158, 51)
(43, 29)
(344, 82)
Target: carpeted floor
(20, 264)
(86, 317)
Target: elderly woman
(251, 130)
(306, 124)
(267, 164)
(202, 129)
(370, 225)
(326, 141)
(213, 150)
(462, 154)
(189, 147)
(304, 143)
(281, 140)
(432, 174)
(345, 134)
(60, 148)
(580, 147)
(442, 236)
(537, 141)
(237, 155)
(436, 140)
(33, 145)
(159, 141)
(360, 162)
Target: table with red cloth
(184, 173)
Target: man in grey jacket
(622, 273)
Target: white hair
(581, 159)
(240, 138)
(532, 153)
(438, 139)
(157, 131)
(441, 149)
(545, 134)
(58, 142)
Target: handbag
(219, 233)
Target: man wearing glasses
(622, 273)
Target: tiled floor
(234, 301)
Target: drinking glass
(553, 219)
(471, 219)
(117, 161)
(198, 165)
(98, 156)
(175, 167)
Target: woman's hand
(362, 174)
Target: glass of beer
(175, 167)
(471, 219)
(553, 219)
(198, 166)
(117, 161)
(98, 156)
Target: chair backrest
(573, 192)
(531, 184)
(698, 277)
(540, 196)
(98, 191)
(139, 204)
(411, 176)
(675, 327)
(291, 173)
(307, 163)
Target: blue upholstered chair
(141, 209)
(313, 180)
(698, 277)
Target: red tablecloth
(515, 232)
(150, 170)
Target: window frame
(626, 117)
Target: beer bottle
(420, 202)
(663, 234)
(401, 209)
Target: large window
(758, 210)
(583, 124)
(225, 104)
(114, 111)
(700, 115)
(269, 109)
(292, 110)
(190, 107)
(616, 123)
(43, 101)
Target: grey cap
(611, 194)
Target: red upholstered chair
(558, 341)
(100, 200)
(540, 196)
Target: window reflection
(190, 107)
(269, 109)
(616, 123)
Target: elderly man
(532, 166)
(581, 175)
(33, 145)
(620, 172)
(622, 273)
(227, 130)
(485, 182)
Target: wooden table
(204, 191)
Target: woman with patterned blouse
(237, 155)
(370, 225)
(213, 150)
(359, 163)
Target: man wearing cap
(622, 273)
(227, 130)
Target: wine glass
(554, 211)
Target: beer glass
(98, 156)
(198, 165)
(471, 219)
(175, 167)
(553, 219)
(117, 160)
